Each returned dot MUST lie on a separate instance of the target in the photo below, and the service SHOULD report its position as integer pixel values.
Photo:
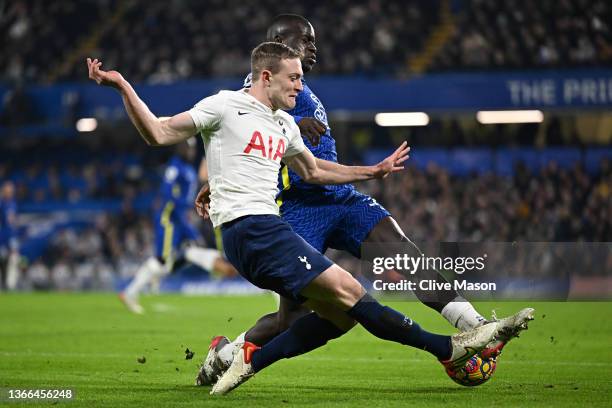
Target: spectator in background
(9, 246)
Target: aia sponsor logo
(273, 150)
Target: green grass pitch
(89, 343)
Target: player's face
(302, 39)
(286, 84)
(8, 191)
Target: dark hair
(268, 55)
(283, 23)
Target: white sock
(12, 271)
(226, 354)
(203, 257)
(149, 270)
(462, 315)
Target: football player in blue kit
(173, 229)
(261, 245)
(329, 216)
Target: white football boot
(239, 372)
(510, 327)
(212, 368)
(467, 344)
(131, 302)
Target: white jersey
(245, 142)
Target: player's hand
(313, 129)
(392, 163)
(202, 202)
(106, 78)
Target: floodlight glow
(86, 124)
(401, 119)
(510, 116)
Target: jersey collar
(255, 102)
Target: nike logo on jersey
(242, 113)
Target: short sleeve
(296, 144)
(207, 113)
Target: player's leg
(221, 350)
(269, 254)
(456, 310)
(155, 267)
(309, 332)
(306, 223)
(150, 269)
(341, 289)
(4, 256)
(12, 270)
(366, 223)
(339, 300)
(272, 324)
(194, 252)
(312, 223)
(208, 259)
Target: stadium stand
(528, 34)
(84, 200)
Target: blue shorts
(266, 251)
(340, 221)
(172, 228)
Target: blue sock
(305, 334)
(389, 324)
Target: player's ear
(265, 77)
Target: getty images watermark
(550, 271)
(405, 264)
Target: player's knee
(285, 320)
(349, 291)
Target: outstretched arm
(154, 131)
(317, 171)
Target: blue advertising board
(569, 89)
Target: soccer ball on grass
(476, 371)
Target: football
(475, 372)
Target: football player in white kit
(246, 135)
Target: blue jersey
(178, 191)
(8, 233)
(179, 184)
(309, 106)
(336, 216)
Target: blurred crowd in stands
(529, 34)
(431, 205)
(56, 170)
(554, 205)
(38, 38)
(161, 42)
